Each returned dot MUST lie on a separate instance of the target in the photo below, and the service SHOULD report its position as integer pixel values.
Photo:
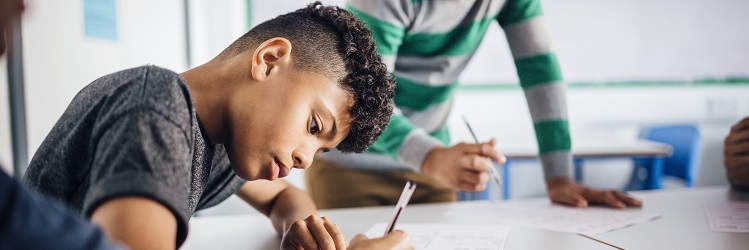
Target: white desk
(683, 225)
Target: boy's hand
(394, 240)
(566, 191)
(736, 154)
(464, 166)
(313, 233)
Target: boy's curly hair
(332, 41)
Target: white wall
(618, 40)
(59, 59)
(615, 40)
(214, 26)
(6, 153)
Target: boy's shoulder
(140, 75)
(144, 86)
(148, 88)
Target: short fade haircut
(332, 41)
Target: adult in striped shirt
(426, 44)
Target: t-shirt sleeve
(142, 153)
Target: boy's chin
(246, 174)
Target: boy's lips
(282, 170)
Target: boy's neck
(210, 85)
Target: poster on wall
(100, 19)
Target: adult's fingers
(475, 162)
(736, 161)
(629, 200)
(484, 149)
(741, 125)
(488, 150)
(737, 137)
(736, 149)
(469, 187)
(473, 177)
(568, 197)
(605, 197)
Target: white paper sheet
(589, 221)
(448, 236)
(728, 216)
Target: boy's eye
(313, 127)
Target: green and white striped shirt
(427, 44)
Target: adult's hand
(313, 233)
(464, 166)
(395, 240)
(568, 192)
(736, 154)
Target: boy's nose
(302, 159)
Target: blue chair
(473, 196)
(686, 141)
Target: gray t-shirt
(133, 133)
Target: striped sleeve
(402, 141)
(542, 82)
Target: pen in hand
(492, 172)
(408, 190)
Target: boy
(140, 150)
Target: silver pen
(493, 172)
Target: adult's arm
(460, 167)
(545, 91)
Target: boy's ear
(271, 56)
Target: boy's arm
(293, 215)
(139, 223)
(541, 80)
